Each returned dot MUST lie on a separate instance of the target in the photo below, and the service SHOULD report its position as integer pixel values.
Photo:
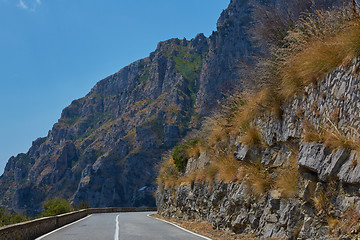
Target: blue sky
(54, 51)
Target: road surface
(120, 226)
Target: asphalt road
(120, 226)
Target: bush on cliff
(183, 152)
(55, 206)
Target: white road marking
(43, 236)
(116, 236)
(179, 227)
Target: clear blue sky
(54, 51)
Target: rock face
(105, 146)
(232, 207)
(215, 81)
(328, 182)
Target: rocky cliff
(105, 146)
(295, 185)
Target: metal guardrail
(38, 227)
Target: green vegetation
(181, 154)
(145, 75)
(7, 218)
(51, 207)
(180, 157)
(189, 65)
(55, 207)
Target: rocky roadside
(206, 229)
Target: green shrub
(55, 206)
(180, 157)
(181, 154)
(7, 218)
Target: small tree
(55, 206)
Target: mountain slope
(105, 146)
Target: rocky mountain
(105, 147)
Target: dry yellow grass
(251, 137)
(336, 140)
(216, 129)
(311, 134)
(332, 222)
(228, 168)
(193, 151)
(168, 174)
(321, 202)
(319, 57)
(188, 179)
(286, 181)
(223, 167)
(257, 178)
(331, 138)
(211, 171)
(253, 104)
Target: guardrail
(38, 227)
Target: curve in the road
(120, 226)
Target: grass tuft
(336, 140)
(332, 222)
(311, 134)
(216, 130)
(254, 104)
(228, 168)
(321, 202)
(251, 137)
(287, 178)
(258, 178)
(168, 173)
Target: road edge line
(175, 225)
(58, 229)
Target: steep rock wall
(328, 183)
